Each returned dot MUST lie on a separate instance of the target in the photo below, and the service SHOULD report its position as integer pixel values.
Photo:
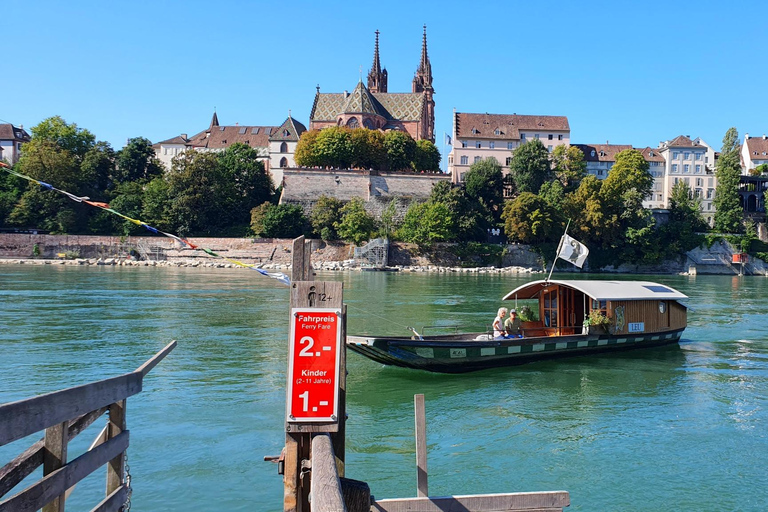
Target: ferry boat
(637, 314)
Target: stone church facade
(375, 108)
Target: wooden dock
(63, 415)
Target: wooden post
(55, 457)
(326, 489)
(116, 466)
(421, 446)
(306, 293)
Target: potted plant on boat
(596, 323)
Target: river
(674, 428)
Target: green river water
(683, 427)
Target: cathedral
(375, 108)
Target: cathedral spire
(423, 79)
(214, 120)
(377, 77)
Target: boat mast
(557, 252)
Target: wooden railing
(61, 414)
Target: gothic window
(368, 124)
(283, 148)
(283, 162)
(353, 123)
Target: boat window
(550, 309)
(600, 305)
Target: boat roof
(603, 290)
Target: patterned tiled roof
(405, 106)
(601, 152)
(505, 126)
(651, 154)
(221, 137)
(10, 132)
(757, 147)
(361, 102)
(290, 130)
(401, 106)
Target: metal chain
(127, 504)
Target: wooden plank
(115, 427)
(422, 487)
(325, 485)
(114, 501)
(37, 495)
(25, 417)
(21, 467)
(308, 272)
(154, 360)
(25, 464)
(338, 438)
(356, 494)
(55, 457)
(298, 266)
(100, 439)
(527, 501)
(292, 465)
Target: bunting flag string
(279, 276)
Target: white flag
(448, 140)
(572, 250)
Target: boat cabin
(630, 306)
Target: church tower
(422, 82)
(377, 78)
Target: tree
(252, 184)
(11, 188)
(128, 201)
(201, 195)
(283, 221)
(98, 167)
(530, 166)
(484, 183)
(425, 224)
(681, 233)
(468, 218)
(427, 156)
(728, 210)
(356, 224)
(68, 137)
(137, 161)
(388, 224)
(156, 204)
(333, 147)
(529, 219)
(367, 149)
(326, 213)
(568, 165)
(305, 154)
(400, 148)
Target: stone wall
(304, 186)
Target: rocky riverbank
(334, 266)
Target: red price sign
(313, 365)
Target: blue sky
(621, 72)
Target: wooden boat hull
(461, 353)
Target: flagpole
(557, 253)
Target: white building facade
(479, 136)
(11, 140)
(754, 152)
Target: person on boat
(498, 324)
(512, 325)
